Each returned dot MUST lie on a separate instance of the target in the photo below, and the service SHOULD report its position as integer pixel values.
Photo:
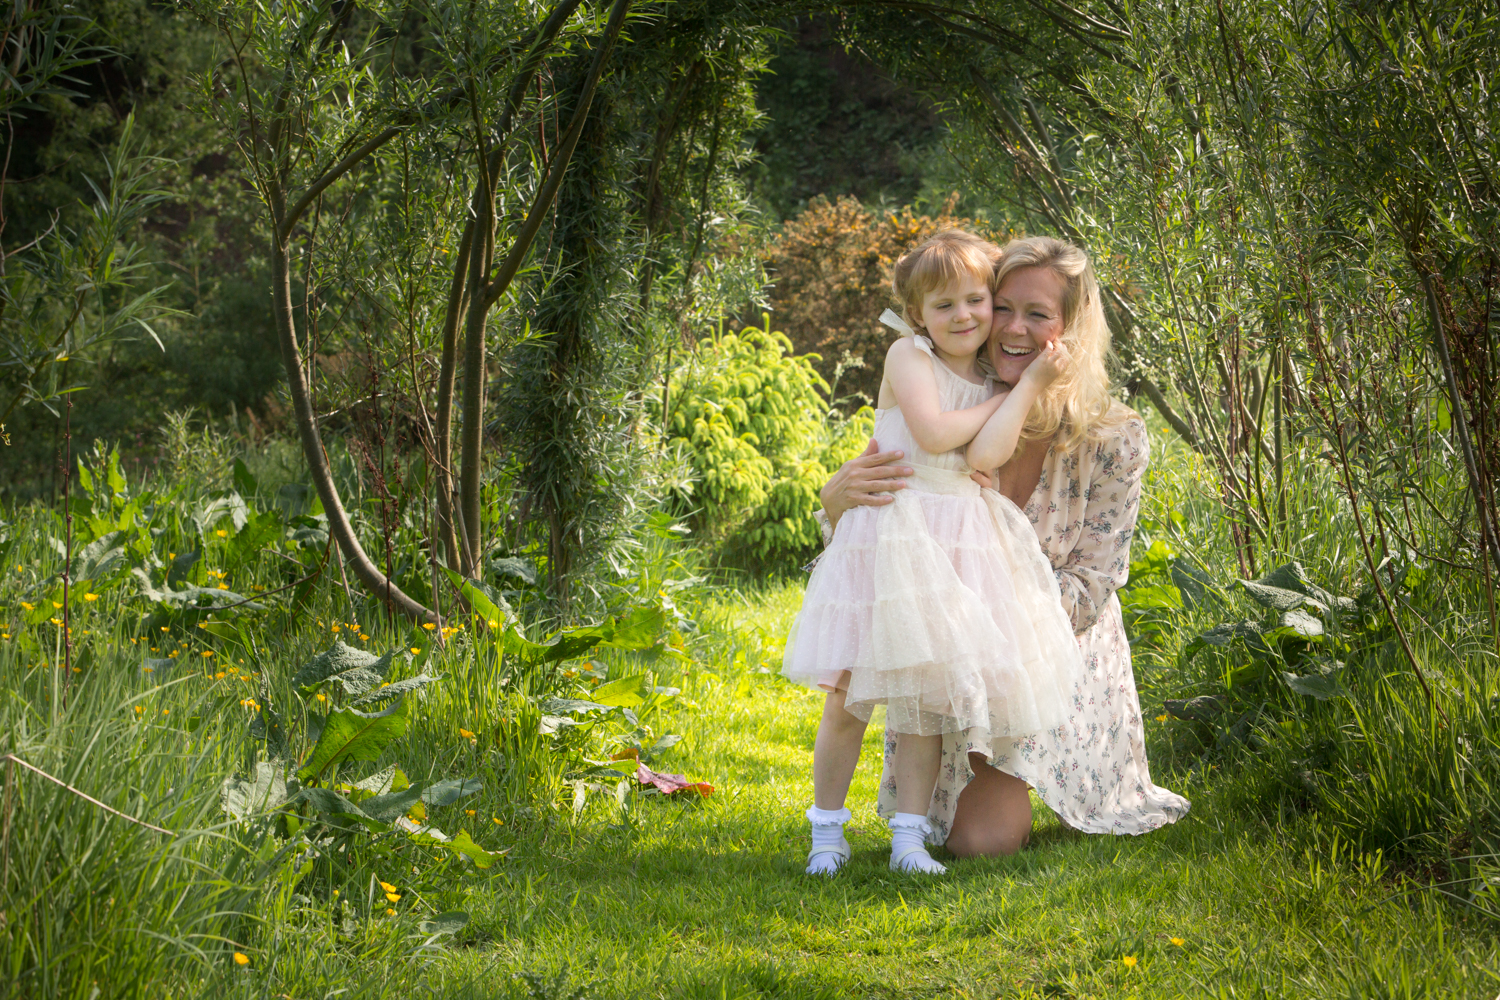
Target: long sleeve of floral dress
(1090, 553)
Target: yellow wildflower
(90, 597)
(208, 652)
(468, 812)
(147, 670)
(241, 959)
(56, 605)
(390, 912)
(334, 629)
(139, 710)
(416, 649)
(465, 733)
(363, 637)
(219, 676)
(394, 897)
(498, 820)
(1179, 942)
(1129, 961)
(222, 533)
(386, 886)
(28, 607)
(1161, 718)
(322, 696)
(428, 626)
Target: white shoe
(828, 860)
(921, 862)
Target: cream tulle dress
(939, 606)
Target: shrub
(831, 268)
(754, 423)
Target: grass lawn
(678, 899)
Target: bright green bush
(753, 421)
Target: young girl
(940, 605)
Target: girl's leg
(993, 815)
(916, 765)
(835, 753)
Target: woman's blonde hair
(1077, 407)
(941, 259)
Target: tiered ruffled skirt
(941, 607)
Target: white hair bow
(895, 322)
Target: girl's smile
(957, 316)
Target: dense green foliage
(755, 424)
(449, 285)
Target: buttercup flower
(1179, 942)
(90, 597)
(222, 533)
(1129, 961)
(241, 959)
(428, 626)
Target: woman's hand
(861, 481)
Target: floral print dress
(1091, 770)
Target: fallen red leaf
(669, 784)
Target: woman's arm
(996, 442)
(1099, 563)
(865, 481)
(912, 379)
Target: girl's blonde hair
(941, 259)
(1077, 407)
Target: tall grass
(1379, 766)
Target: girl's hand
(1050, 364)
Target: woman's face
(1028, 316)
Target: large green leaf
(386, 692)
(461, 844)
(355, 670)
(1278, 598)
(349, 734)
(1291, 576)
(637, 630)
(627, 691)
(266, 790)
(388, 807)
(1323, 685)
(450, 790)
(334, 806)
(259, 531)
(484, 600)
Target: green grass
(1305, 868)
(681, 899)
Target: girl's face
(957, 316)
(1028, 315)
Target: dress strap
(921, 340)
(891, 319)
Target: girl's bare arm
(995, 443)
(909, 373)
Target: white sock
(908, 840)
(827, 831)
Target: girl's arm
(996, 442)
(910, 375)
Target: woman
(1077, 475)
